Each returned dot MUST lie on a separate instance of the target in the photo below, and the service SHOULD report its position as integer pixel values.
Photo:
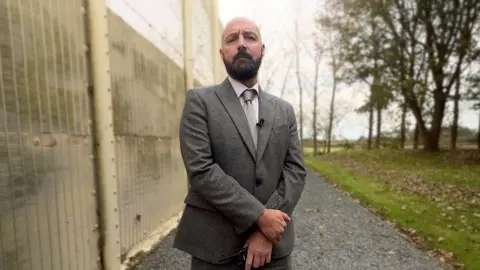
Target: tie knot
(249, 94)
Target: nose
(241, 43)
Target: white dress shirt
(239, 88)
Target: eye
(251, 36)
(231, 39)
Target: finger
(261, 261)
(256, 261)
(278, 238)
(248, 262)
(285, 217)
(271, 236)
(281, 223)
(269, 257)
(273, 239)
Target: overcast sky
(276, 19)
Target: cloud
(276, 19)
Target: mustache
(242, 54)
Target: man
(244, 163)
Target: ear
(263, 49)
(220, 51)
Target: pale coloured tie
(248, 96)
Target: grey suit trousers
(284, 263)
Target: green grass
(408, 188)
(443, 166)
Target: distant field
(309, 150)
(433, 198)
(459, 146)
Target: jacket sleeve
(292, 182)
(205, 176)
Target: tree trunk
(379, 127)
(370, 127)
(287, 75)
(325, 144)
(454, 127)
(300, 89)
(432, 141)
(478, 135)
(314, 126)
(332, 100)
(332, 114)
(432, 136)
(416, 136)
(403, 125)
(301, 116)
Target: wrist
(261, 217)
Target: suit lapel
(267, 113)
(230, 101)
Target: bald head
(242, 49)
(238, 23)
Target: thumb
(285, 217)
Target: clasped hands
(271, 224)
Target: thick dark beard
(245, 72)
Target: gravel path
(333, 232)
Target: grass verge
(434, 202)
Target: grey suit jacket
(230, 183)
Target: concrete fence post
(99, 82)
(187, 43)
(214, 22)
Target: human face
(242, 49)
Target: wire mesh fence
(49, 197)
(47, 207)
(147, 101)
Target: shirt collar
(240, 87)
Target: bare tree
(335, 65)
(315, 97)
(275, 62)
(323, 122)
(299, 80)
(285, 79)
(454, 127)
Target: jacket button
(258, 182)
